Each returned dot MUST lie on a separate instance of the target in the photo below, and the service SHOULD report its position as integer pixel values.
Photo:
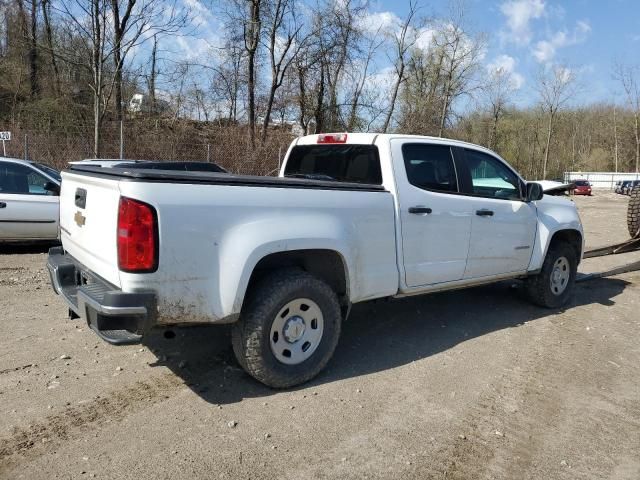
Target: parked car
(630, 186)
(28, 201)
(583, 187)
(618, 187)
(351, 218)
(626, 186)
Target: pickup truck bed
(207, 221)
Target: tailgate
(88, 222)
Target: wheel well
(327, 265)
(572, 237)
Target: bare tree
(228, 79)
(499, 91)
(87, 21)
(440, 74)
(556, 86)
(302, 69)
(310, 68)
(628, 76)
(29, 34)
(403, 42)
(48, 30)
(252, 25)
(362, 72)
(33, 49)
(283, 47)
(461, 53)
(340, 37)
(120, 25)
(136, 21)
(151, 81)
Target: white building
(606, 180)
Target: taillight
(137, 236)
(332, 138)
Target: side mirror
(534, 192)
(52, 187)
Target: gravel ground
(468, 384)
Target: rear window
(342, 163)
(582, 183)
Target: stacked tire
(633, 212)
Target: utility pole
(615, 136)
(121, 140)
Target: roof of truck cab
(371, 138)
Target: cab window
(430, 167)
(491, 178)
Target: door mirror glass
(52, 188)
(534, 192)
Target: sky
(587, 36)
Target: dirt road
(462, 385)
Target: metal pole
(26, 148)
(279, 157)
(208, 153)
(4, 149)
(121, 140)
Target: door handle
(484, 213)
(419, 210)
(3, 205)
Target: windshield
(49, 171)
(582, 183)
(342, 163)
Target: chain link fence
(152, 139)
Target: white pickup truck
(351, 217)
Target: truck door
(504, 226)
(435, 218)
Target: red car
(583, 187)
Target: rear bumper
(115, 316)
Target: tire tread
(537, 286)
(248, 332)
(633, 212)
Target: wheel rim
(296, 331)
(560, 276)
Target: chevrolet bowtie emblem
(79, 218)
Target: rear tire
(288, 329)
(633, 212)
(553, 286)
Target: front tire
(553, 286)
(288, 329)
